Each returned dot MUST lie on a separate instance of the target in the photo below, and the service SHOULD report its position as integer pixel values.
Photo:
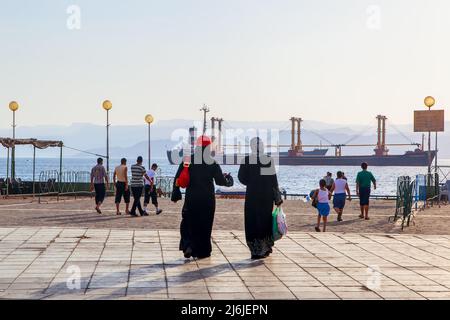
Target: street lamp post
(429, 103)
(13, 106)
(149, 119)
(107, 105)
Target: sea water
(294, 179)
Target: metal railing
(78, 183)
(406, 189)
(415, 194)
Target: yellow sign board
(429, 121)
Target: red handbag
(184, 178)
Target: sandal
(367, 218)
(317, 229)
(361, 216)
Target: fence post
(60, 172)
(7, 175)
(34, 170)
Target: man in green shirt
(364, 179)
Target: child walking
(323, 196)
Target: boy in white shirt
(150, 189)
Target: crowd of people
(142, 182)
(199, 173)
(338, 190)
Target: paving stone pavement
(64, 263)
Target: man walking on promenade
(137, 186)
(98, 178)
(364, 179)
(150, 189)
(121, 185)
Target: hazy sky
(337, 61)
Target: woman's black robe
(262, 186)
(200, 205)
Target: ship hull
(406, 160)
(413, 159)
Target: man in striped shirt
(138, 173)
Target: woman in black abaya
(200, 202)
(257, 172)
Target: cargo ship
(298, 156)
(177, 153)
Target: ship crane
(297, 154)
(205, 110)
(296, 146)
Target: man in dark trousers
(364, 180)
(98, 178)
(137, 186)
(150, 190)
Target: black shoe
(158, 212)
(317, 229)
(188, 253)
(134, 215)
(257, 257)
(144, 214)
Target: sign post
(430, 121)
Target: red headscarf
(203, 141)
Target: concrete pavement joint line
(30, 262)
(68, 257)
(351, 258)
(393, 262)
(96, 265)
(163, 264)
(231, 265)
(12, 250)
(409, 268)
(312, 253)
(271, 270)
(131, 261)
(203, 278)
(11, 230)
(428, 252)
(375, 255)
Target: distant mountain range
(131, 141)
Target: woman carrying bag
(198, 176)
(257, 172)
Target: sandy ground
(229, 216)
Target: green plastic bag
(275, 232)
